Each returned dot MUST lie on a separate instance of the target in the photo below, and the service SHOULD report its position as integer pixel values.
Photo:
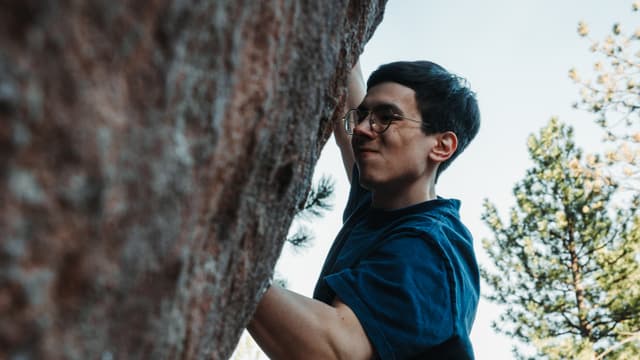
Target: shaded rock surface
(152, 155)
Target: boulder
(152, 156)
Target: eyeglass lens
(379, 119)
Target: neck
(390, 198)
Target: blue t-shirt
(409, 275)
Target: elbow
(329, 344)
(315, 340)
(345, 342)
(332, 340)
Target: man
(401, 279)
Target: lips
(363, 152)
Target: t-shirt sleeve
(401, 294)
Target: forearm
(355, 95)
(290, 326)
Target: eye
(385, 115)
(362, 114)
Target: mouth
(364, 151)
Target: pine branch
(319, 199)
(634, 337)
(302, 238)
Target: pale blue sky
(516, 55)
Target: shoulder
(431, 229)
(436, 220)
(411, 243)
(439, 221)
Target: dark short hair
(445, 101)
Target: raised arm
(355, 95)
(290, 326)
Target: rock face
(152, 155)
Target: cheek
(411, 159)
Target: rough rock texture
(152, 154)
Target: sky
(516, 56)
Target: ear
(446, 144)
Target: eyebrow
(382, 105)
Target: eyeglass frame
(370, 115)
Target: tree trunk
(152, 155)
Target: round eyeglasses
(379, 119)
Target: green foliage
(566, 263)
(318, 201)
(612, 95)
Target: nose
(364, 128)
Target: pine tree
(566, 264)
(612, 94)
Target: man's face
(397, 158)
